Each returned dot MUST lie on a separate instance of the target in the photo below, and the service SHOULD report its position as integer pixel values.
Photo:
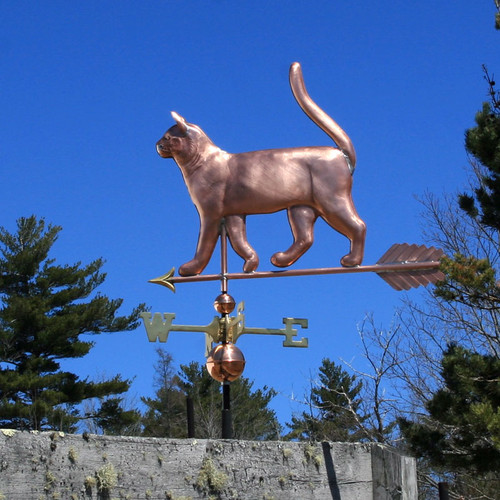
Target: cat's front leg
(209, 232)
(236, 230)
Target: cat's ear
(181, 123)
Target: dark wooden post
(443, 491)
(227, 424)
(190, 416)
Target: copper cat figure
(309, 182)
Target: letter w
(158, 329)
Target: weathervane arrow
(403, 266)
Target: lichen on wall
(91, 467)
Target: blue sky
(87, 89)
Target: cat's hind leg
(344, 218)
(301, 219)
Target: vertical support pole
(223, 257)
(227, 424)
(443, 491)
(190, 416)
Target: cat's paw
(251, 264)
(190, 268)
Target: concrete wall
(88, 467)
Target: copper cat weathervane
(308, 182)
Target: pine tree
(457, 436)
(472, 279)
(482, 142)
(111, 415)
(113, 419)
(462, 428)
(252, 417)
(334, 408)
(166, 412)
(45, 308)
(205, 392)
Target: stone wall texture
(53, 465)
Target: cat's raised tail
(319, 117)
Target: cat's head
(181, 140)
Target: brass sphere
(225, 362)
(224, 303)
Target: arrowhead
(164, 280)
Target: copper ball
(224, 303)
(225, 362)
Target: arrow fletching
(403, 254)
